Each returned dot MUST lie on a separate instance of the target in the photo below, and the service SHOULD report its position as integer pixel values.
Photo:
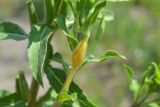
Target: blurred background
(134, 32)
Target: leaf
(37, 49)
(105, 56)
(49, 11)
(64, 96)
(96, 11)
(4, 93)
(134, 87)
(117, 0)
(106, 15)
(22, 87)
(57, 78)
(12, 31)
(32, 12)
(58, 58)
(12, 100)
(128, 71)
(157, 73)
(60, 20)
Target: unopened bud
(80, 52)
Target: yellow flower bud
(80, 52)
(77, 58)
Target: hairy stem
(34, 93)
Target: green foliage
(10, 30)
(57, 77)
(143, 90)
(40, 52)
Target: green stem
(69, 80)
(34, 93)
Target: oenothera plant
(76, 19)
(146, 90)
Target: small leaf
(106, 15)
(105, 56)
(32, 12)
(37, 49)
(12, 31)
(96, 11)
(22, 87)
(128, 71)
(64, 96)
(49, 11)
(157, 73)
(4, 93)
(57, 78)
(134, 87)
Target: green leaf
(12, 100)
(117, 0)
(32, 12)
(84, 7)
(106, 15)
(96, 11)
(64, 96)
(128, 71)
(37, 49)
(57, 78)
(49, 11)
(105, 56)
(22, 87)
(157, 73)
(60, 20)
(4, 93)
(134, 87)
(10, 30)
(58, 58)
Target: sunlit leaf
(37, 49)
(128, 71)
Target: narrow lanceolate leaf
(12, 100)
(49, 11)
(22, 87)
(60, 20)
(37, 49)
(105, 56)
(57, 78)
(32, 12)
(96, 11)
(12, 31)
(128, 71)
